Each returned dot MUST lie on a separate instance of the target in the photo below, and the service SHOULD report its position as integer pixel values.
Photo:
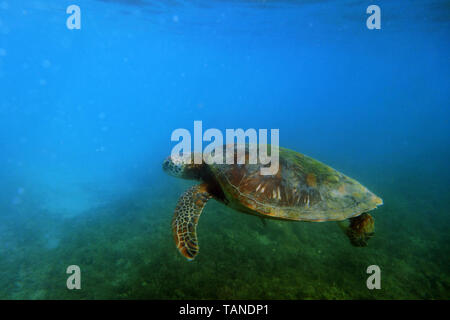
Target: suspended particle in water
(16, 201)
(46, 64)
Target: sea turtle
(303, 189)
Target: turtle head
(182, 167)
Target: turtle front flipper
(185, 219)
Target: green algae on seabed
(125, 251)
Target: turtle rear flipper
(359, 230)
(185, 219)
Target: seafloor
(125, 251)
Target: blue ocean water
(86, 118)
